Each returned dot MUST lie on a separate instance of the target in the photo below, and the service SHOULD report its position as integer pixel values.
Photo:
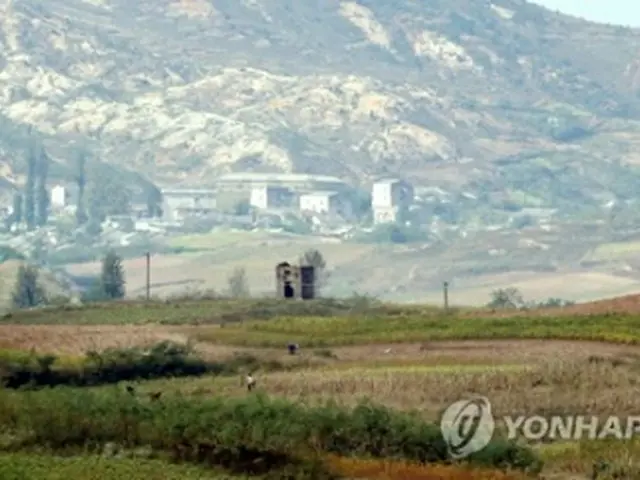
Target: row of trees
(110, 284)
(108, 194)
(31, 205)
(512, 298)
(101, 191)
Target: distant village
(312, 204)
(325, 198)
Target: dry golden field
(520, 376)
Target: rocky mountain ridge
(504, 100)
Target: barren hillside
(502, 99)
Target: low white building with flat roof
(293, 181)
(62, 196)
(325, 202)
(268, 196)
(178, 202)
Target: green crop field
(156, 390)
(22, 466)
(416, 327)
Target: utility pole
(445, 291)
(148, 258)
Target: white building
(60, 197)
(269, 196)
(178, 202)
(326, 203)
(390, 199)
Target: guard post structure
(307, 282)
(294, 282)
(286, 280)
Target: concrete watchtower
(293, 281)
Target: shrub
(165, 359)
(253, 434)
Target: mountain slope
(502, 99)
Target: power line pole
(148, 258)
(445, 291)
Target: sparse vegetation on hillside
(589, 103)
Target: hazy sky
(623, 12)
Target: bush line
(255, 434)
(165, 359)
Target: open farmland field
(541, 265)
(406, 360)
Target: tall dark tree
(81, 181)
(29, 210)
(154, 201)
(315, 259)
(28, 292)
(107, 194)
(41, 193)
(238, 283)
(16, 215)
(112, 282)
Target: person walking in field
(251, 382)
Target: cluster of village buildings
(268, 192)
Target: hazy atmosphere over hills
(502, 106)
(442, 90)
